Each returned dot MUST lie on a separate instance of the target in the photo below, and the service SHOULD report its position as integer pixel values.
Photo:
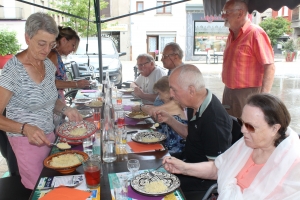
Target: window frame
(137, 5)
(164, 8)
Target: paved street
(286, 86)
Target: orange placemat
(138, 147)
(64, 193)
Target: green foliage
(289, 46)
(275, 28)
(8, 42)
(79, 8)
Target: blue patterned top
(172, 142)
(61, 74)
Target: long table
(148, 160)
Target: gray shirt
(31, 102)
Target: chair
(76, 73)
(211, 189)
(211, 55)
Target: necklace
(42, 76)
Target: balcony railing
(11, 13)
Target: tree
(80, 8)
(275, 28)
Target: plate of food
(160, 184)
(65, 162)
(148, 137)
(137, 115)
(94, 103)
(126, 90)
(76, 130)
(72, 142)
(86, 113)
(82, 100)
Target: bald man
(208, 132)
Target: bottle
(108, 136)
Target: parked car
(110, 59)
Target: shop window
(163, 10)
(139, 5)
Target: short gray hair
(40, 21)
(147, 56)
(190, 75)
(176, 49)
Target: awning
(214, 7)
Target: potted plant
(289, 47)
(9, 45)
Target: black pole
(97, 15)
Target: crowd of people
(263, 164)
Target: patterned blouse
(173, 141)
(61, 74)
(31, 102)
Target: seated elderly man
(149, 74)
(208, 132)
(264, 164)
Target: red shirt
(245, 57)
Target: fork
(69, 186)
(150, 172)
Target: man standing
(248, 65)
(149, 74)
(208, 132)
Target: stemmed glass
(133, 165)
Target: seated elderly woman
(264, 164)
(173, 141)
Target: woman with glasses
(67, 42)
(264, 164)
(29, 94)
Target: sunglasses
(249, 127)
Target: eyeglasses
(43, 44)
(164, 56)
(143, 64)
(249, 127)
(226, 12)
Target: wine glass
(133, 165)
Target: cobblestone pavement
(286, 86)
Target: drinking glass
(92, 171)
(119, 98)
(87, 144)
(120, 118)
(133, 165)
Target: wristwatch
(141, 106)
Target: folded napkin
(65, 193)
(138, 147)
(88, 91)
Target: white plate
(138, 137)
(171, 181)
(82, 100)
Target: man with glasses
(149, 74)
(248, 65)
(172, 56)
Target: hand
(73, 114)
(83, 83)
(138, 92)
(35, 135)
(162, 116)
(174, 165)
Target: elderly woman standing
(264, 164)
(27, 87)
